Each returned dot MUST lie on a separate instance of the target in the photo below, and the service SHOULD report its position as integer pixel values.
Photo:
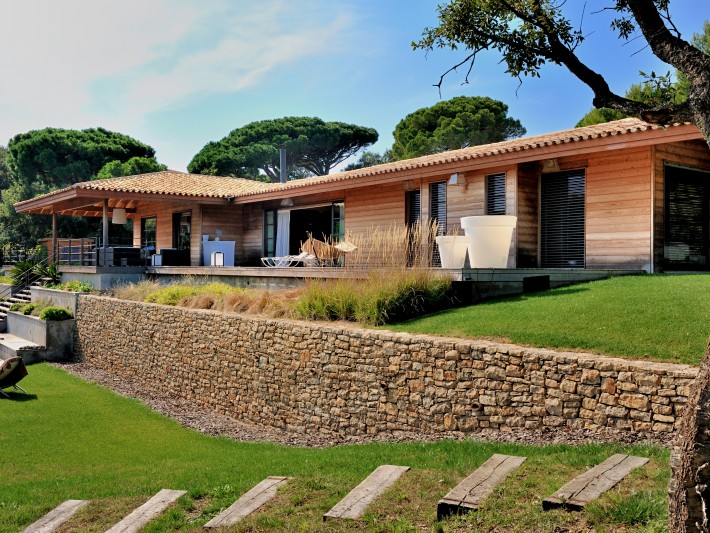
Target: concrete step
(12, 345)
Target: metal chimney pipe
(282, 164)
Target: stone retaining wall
(326, 378)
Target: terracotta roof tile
(617, 127)
(177, 183)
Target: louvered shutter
(562, 220)
(495, 194)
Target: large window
(413, 220)
(269, 232)
(495, 194)
(687, 219)
(182, 230)
(437, 215)
(148, 233)
(562, 198)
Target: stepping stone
(593, 483)
(56, 517)
(470, 493)
(248, 503)
(354, 504)
(146, 512)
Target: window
(338, 222)
(181, 230)
(270, 232)
(413, 220)
(148, 232)
(437, 215)
(562, 220)
(495, 194)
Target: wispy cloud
(78, 63)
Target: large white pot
(452, 250)
(489, 239)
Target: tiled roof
(607, 129)
(177, 183)
(171, 182)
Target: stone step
(12, 345)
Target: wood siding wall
(618, 209)
(164, 225)
(528, 215)
(624, 201)
(691, 154)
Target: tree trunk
(689, 488)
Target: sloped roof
(525, 144)
(171, 183)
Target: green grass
(69, 439)
(643, 317)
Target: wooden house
(622, 195)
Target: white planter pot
(490, 237)
(452, 250)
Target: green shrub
(54, 312)
(48, 272)
(23, 272)
(73, 286)
(28, 308)
(17, 306)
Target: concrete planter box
(56, 336)
(7, 290)
(67, 299)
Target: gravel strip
(195, 417)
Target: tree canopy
(313, 147)
(4, 169)
(61, 157)
(135, 165)
(41, 161)
(657, 89)
(530, 33)
(370, 159)
(451, 124)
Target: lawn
(68, 439)
(657, 317)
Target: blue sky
(177, 74)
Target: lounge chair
(12, 370)
(286, 261)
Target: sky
(177, 74)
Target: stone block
(634, 401)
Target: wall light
(457, 179)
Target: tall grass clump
(383, 297)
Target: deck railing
(77, 252)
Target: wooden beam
(56, 517)
(135, 521)
(470, 493)
(355, 503)
(248, 502)
(593, 483)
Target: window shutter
(562, 220)
(495, 194)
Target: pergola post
(54, 237)
(105, 231)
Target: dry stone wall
(310, 377)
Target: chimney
(282, 164)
